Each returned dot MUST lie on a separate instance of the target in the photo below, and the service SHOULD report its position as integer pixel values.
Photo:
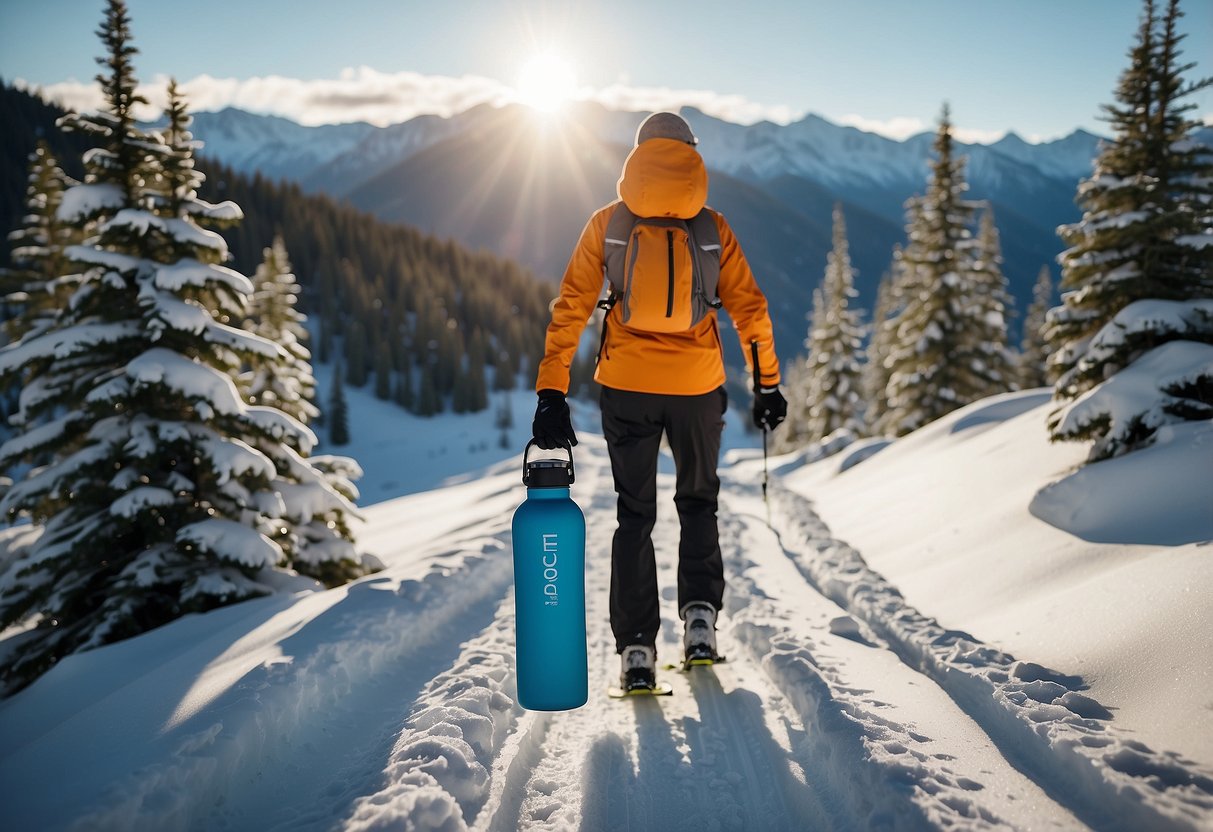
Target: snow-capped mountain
(1067, 158)
(337, 158)
(846, 157)
(274, 146)
(380, 149)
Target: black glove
(552, 427)
(770, 408)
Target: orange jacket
(661, 178)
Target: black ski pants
(633, 424)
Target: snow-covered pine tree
(318, 491)
(993, 365)
(285, 384)
(34, 288)
(793, 434)
(478, 388)
(835, 345)
(875, 373)
(153, 501)
(1034, 349)
(937, 359)
(1133, 337)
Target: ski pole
(757, 392)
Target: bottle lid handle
(526, 473)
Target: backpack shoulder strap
(707, 253)
(703, 226)
(620, 225)
(615, 244)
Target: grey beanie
(665, 126)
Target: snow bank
(151, 733)
(1041, 716)
(943, 515)
(1160, 495)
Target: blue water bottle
(549, 589)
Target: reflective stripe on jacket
(661, 178)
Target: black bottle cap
(547, 473)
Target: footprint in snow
(848, 627)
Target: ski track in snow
(916, 764)
(1060, 737)
(840, 707)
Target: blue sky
(1039, 67)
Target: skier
(659, 381)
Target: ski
(701, 662)
(660, 689)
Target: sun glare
(546, 82)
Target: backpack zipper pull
(669, 297)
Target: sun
(546, 82)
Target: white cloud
(733, 108)
(365, 94)
(902, 127)
(898, 127)
(381, 98)
(974, 136)
(72, 95)
(358, 94)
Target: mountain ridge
(777, 184)
(726, 145)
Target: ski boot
(639, 671)
(699, 635)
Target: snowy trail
(801, 729)
(894, 751)
(705, 757)
(389, 704)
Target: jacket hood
(664, 178)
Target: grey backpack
(665, 271)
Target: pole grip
(754, 366)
